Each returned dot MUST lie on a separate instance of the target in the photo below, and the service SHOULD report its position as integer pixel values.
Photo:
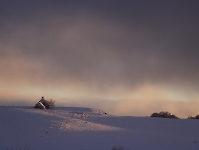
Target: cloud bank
(130, 53)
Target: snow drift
(92, 129)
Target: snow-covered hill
(72, 128)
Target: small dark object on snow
(118, 148)
(164, 115)
(46, 131)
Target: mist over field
(125, 57)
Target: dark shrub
(191, 117)
(164, 115)
(51, 103)
(197, 117)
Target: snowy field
(71, 128)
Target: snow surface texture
(91, 129)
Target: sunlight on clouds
(26, 80)
(141, 101)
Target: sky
(124, 57)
